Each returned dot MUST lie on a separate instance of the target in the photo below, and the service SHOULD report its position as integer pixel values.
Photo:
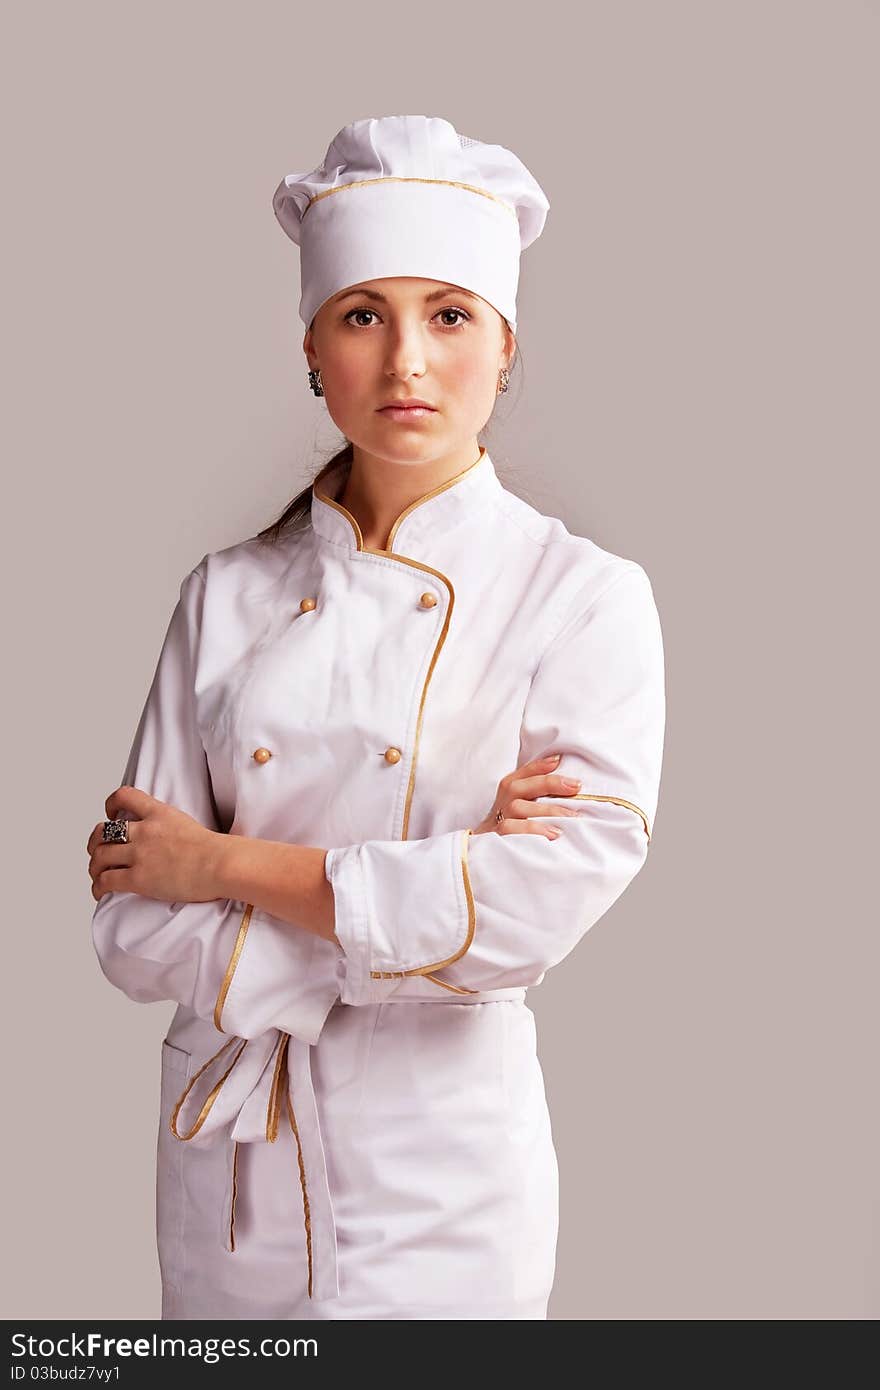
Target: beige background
(698, 326)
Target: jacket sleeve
(492, 911)
(193, 952)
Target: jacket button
(261, 755)
(428, 600)
(392, 755)
(307, 604)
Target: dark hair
(299, 510)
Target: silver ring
(116, 832)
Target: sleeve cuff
(403, 907)
(278, 976)
(343, 872)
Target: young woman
(401, 750)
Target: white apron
(332, 1144)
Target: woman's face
(404, 336)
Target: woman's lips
(407, 412)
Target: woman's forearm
(285, 880)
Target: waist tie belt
(257, 1083)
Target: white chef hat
(408, 195)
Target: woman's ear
(309, 349)
(510, 345)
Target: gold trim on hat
(396, 178)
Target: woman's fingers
(515, 799)
(513, 825)
(537, 765)
(544, 784)
(522, 808)
(523, 818)
(537, 778)
(109, 856)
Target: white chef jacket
(323, 693)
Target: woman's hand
(515, 796)
(169, 856)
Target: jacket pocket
(170, 1204)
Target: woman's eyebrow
(382, 299)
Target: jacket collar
(473, 490)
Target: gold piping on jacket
(233, 962)
(456, 989)
(618, 801)
(427, 969)
(234, 1194)
(397, 178)
(213, 1094)
(302, 1182)
(280, 1087)
(375, 550)
(433, 662)
(273, 1110)
(416, 564)
(435, 492)
(439, 964)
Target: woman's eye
(462, 314)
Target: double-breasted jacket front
(323, 693)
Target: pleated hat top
(409, 195)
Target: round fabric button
(428, 600)
(262, 755)
(307, 604)
(392, 755)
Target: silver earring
(504, 379)
(315, 382)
